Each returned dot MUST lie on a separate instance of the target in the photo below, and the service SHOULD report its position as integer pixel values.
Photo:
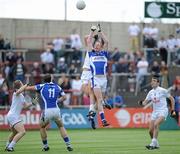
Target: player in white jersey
(157, 96)
(13, 116)
(51, 94)
(86, 78)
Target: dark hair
(47, 78)
(156, 77)
(95, 39)
(17, 84)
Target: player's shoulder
(151, 91)
(162, 89)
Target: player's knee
(59, 123)
(22, 133)
(156, 125)
(42, 126)
(150, 130)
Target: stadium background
(31, 36)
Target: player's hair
(98, 39)
(17, 84)
(156, 77)
(47, 78)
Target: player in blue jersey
(51, 94)
(96, 62)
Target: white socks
(12, 144)
(154, 142)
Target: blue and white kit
(96, 61)
(50, 92)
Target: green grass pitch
(99, 141)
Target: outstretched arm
(89, 38)
(103, 36)
(20, 90)
(30, 88)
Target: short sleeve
(148, 97)
(165, 93)
(86, 61)
(38, 87)
(61, 92)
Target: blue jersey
(97, 62)
(50, 92)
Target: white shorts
(86, 76)
(13, 119)
(161, 113)
(99, 82)
(50, 114)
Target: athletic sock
(91, 107)
(102, 116)
(45, 143)
(154, 142)
(67, 141)
(12, 144)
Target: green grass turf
(99, 141)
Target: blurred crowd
(64, 57)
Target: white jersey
(158, 97)
(86, 74)
(17, 104)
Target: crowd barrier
(76, 119)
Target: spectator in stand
(133, 31)
(164, 75)
(57, 46)
(122, 66)
(72, 69)
(76, 45)
(155, 68)
(61, 66)
(19, 70)
(176, 86)
(171, 47)
(150, 43)
(46, 58)
(49, 68)
(154, 33)
(7, 72)
(129, 57)
(162, 47)
(114, 58)
(142, 71)
(131, 77)
(11, 58)
(2, 47)
(7, 44)
(76, 87)
(75, 40)
(115, 55)
(36, 73)
(177, 107)
(4, 91)
(137, 56)
(65, 84)
(1, 42)
(177, 61)
(146, 33)
(18, 56)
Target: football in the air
(80, 5)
